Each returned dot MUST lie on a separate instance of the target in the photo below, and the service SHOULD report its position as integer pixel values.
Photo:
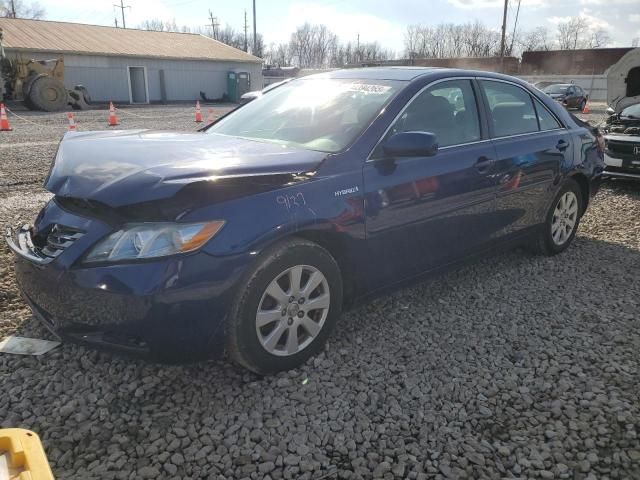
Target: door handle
(562, 145)
(484, 164)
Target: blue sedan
(252, 236)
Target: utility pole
(13, 9)
(122, 6)
(116, 21)
(504, 32)
(515, 26)
(214, 25)
(255, 34)
(358, 56)
(246, 46)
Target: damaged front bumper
(170, 309)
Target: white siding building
(135, 66)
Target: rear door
(531, 145)
(422, 212)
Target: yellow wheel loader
(39, 84)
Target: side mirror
(610, 111)
(411, 144)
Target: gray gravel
(516, 367)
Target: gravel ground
(515, 367)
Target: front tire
(286, 308)
(562, 221)
(48, 94)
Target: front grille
(621, 147)
(56, 241)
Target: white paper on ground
(26, 346)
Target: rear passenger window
(447, 109)
(545, 118)
(511, 109)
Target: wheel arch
(337, 245)
(585, 189)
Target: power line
(122, 6)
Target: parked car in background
(250, 96)
(251, 237)
(542, 84)
(568, 94)
(622, 143)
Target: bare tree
(411, 41)
(535, 40)
(571, 34)
(259, 45)
(227, 35)
(310, 45)
(450, 40)
(278, 55)
(599, 38)
(159, 25)
(21, 9)
(315, 46)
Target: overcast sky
(384, 21)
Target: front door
(422, 212)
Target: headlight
(151, 240)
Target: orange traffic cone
(198, 112)
(210, 116)
(113, 120)
(72, 122)
(586, 107)
(4, 120)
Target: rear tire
(286, 308)
(562, 221)
(48, 94)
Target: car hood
(620, 103)
(119, 168)
(557, 95)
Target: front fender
(332, 205)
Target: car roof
(405, 73)
(382, 73)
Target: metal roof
(81, 39)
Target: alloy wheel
(292, 310)
(565, 218)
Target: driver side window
(447, 109)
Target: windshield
(632, 111)
(556, 89)
(313, 113)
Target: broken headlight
(151, 240)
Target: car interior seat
(509, 119)
(431, 113)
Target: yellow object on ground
(22, 456)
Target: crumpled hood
(120, 168)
